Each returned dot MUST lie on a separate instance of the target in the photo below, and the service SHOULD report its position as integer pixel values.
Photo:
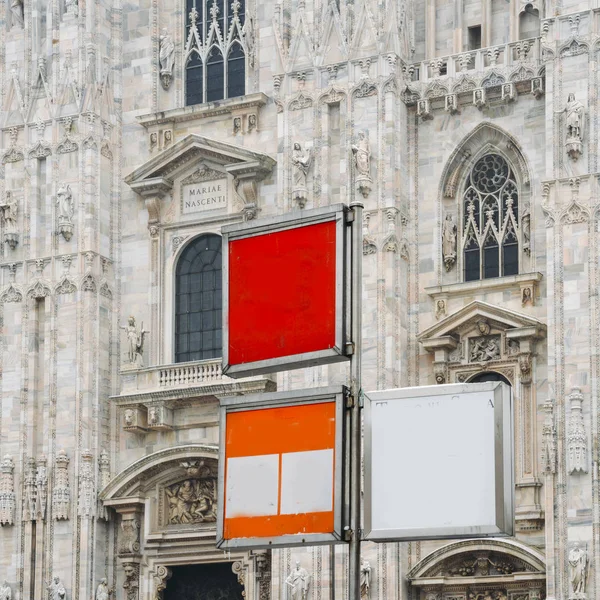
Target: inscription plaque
(204, 196)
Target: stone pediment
(156, 176)
(166, 165)
(467, 318)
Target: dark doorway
(213, 581)
(489, 376)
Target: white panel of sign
(439, 462)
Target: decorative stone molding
(262, 562)
(160, 418)
(576, 434)
(163, 574)
(131, 585)
(369, 246)
(87, 490)
(30, 490)
(7, 491)
(129, 535)
(61, 491)
(135, 419)
(10, 214)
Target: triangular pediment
(186, 153)
(467, 317)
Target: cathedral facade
(133, 131)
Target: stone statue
(10, 212)
(578, 563)
(5, 591)
(135, 339)
(301, 159)
(102, 591)
(298, 581)
(192, 501)
(575, 118)
(166, 58)
(16, 7)
(362, 162)
(365, 578)
(56, 590)
(64, 201)
(362, 155)
(575, 126)
(449, 242)
(484, 349)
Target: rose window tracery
(491, 230)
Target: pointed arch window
(198, 300)
(491, 230)
(215, 51)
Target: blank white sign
(437, 461)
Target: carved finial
(194, 16)
(214, 10)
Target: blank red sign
(282, 293)
(279, 471)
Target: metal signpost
(293, 298)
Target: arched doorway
(210, 581)
(489, 376)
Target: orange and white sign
(281, 471)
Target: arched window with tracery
(199, 300)
(215, 50)
(490, 232)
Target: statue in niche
(301, 160)
(135, 339)
(575, 126)
(56, 590)
(449, 242)
(102, 591)
(578, 566)
(66, 210)
(365, 578)
(192, 501)
(5, 591)
(298, 582)
(362, 161)
(166, 58)
(17, 9)
(10, 211)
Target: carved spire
(61, 493)
(7, 491)
(576, 435)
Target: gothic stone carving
(5, 591)
(298, 582)
(192, 501)
(163, 574)
(61, 491)
(166, 57)
(132, 580)
(549, 440)
(87, 490)
(66, 209)
(365, 579)
(7, 491)
(129, 539)
(575, 127)
(449, 242)
(10, 213)
(16, 8)
(362, 162)
(135, 340)
(41, 484)
(102, 591)
(484, 348)
(263, 574)
(160, 417)
(29, 500)
(576, 435)
(578, 569)
(301, 161)
(56, 590)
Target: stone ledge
(483, 285)
(203, 111)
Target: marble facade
(108, 448)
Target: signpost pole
(355, 420)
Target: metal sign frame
(503, 456)
(342, 215)
(337, 394)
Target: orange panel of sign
(280, 471)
